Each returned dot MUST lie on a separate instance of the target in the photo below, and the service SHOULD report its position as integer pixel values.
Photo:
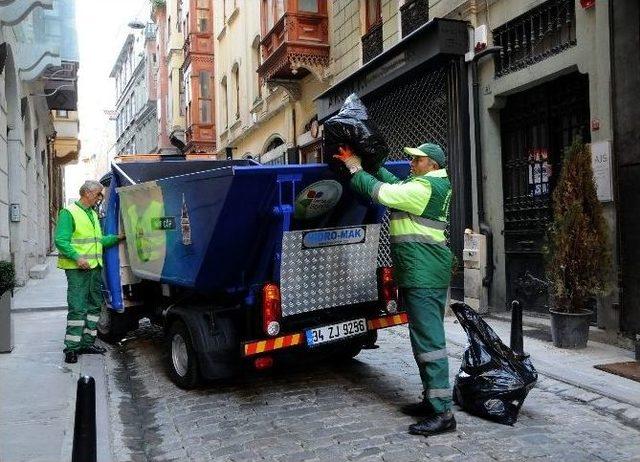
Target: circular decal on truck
(317, 199)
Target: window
(202, 17)
(62, 113)
(272, 11)
(205, 97)
(236, 81)
(181, 92)
(225, 103)
(169, 26)
(310, 6)
(256, 64)
(373, 11)
(179, 17)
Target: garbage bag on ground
(493, 381)
(352, 126)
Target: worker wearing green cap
(422, 265)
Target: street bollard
(516, 328)
(84, 430)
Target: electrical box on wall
(474, 255)
(14, 213)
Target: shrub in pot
(577, 250)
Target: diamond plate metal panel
(314, 279)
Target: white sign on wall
(601, 164)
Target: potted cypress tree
(578, 257)
(7, 283)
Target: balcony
(372, 43)
(61, 86)
(296, 45)
(414, 13)
(544, 31)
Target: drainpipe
(484, 227)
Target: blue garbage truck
(242, 263)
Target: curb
(628, 413)
(39, 308)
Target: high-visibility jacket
(86, 239)
(419, 214)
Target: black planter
(570, 330)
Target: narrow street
(337, 412)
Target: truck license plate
(337, 331)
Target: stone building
(38, 75)
(270, 64)
(134, 73)
(543, 77)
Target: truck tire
(181, 356)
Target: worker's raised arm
(411, 197)
(386, 176)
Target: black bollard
(84, 430)
(516, 328)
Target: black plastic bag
(352, 126)
(493, 381)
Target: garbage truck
(243, 263)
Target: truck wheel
(182, 359)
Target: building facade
(134, 73)
(38, 62)
(198, 77)
(542, 70)
(269, 68)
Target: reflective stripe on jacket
(419, 213)
(86, 239)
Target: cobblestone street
(337, 412)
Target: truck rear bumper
(256, 347)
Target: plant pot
(570, 330)
(6, 323)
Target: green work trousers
(84, 297)
(425, 308)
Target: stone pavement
(312, 411)
(348, 411)
(37, 388)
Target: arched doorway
(274, 151)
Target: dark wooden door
(537, 125)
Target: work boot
(438, 423)
(419, 409)
(93, 350)
(71, 357)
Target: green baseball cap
(430, 150)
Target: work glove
(351, 161)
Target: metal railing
(542, 32)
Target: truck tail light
(271, 310)
(262, 363)
(388, 290)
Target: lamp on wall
(586, 4)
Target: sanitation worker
(422, 265)
(79, 241)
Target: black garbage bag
(352, 126)
(493, 381)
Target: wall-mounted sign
(601, 164)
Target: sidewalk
(570, 373)
(37, 388)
